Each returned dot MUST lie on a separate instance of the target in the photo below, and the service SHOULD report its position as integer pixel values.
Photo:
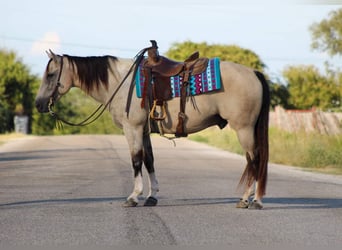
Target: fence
(307, 120)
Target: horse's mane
(92, 71)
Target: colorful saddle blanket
(209, 80)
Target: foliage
(312, 151)
(279, 95)
(17, 88)
(17, 93)
(327, 37)
(309, 88)
(233, 53)
(327, 34)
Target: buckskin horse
(243, 101)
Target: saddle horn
(153, 54)
(154, 44)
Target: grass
(225, 139)
(6, 137)
(314, 152)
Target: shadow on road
(269, 203)
(273, 203)
(63, 201)
(301, 203)
(45, 154)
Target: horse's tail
(261, 137)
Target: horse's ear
(48, 54)
(52, 55)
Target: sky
(278, 31)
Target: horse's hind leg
(248, 179)
(149, 164)
(249, 176)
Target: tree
(327, 34)
(309, 88)
(327, 37)
(233, 53)
(17, 88)
(279, 95)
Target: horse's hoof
(151, 202)
(242, 204)
(130, 203)
(255, 205)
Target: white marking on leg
(138, 188)
(153, 185)
(248, 193)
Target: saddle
(157, 72)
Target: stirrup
(163, 112)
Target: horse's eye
(50, 75)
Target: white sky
(277, 32)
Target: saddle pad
(207, 81)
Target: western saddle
(157, 72)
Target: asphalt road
(69, 190)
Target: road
(69, 190)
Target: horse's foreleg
(134, 139)
(149, 164)
(133, 200)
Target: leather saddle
(158, 70)
(167, 67)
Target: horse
(243, 101)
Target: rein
(102, 107)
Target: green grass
(225, 139)
(314, 152)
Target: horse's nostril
(38, 106)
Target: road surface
(69, 190)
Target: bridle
(55, 91)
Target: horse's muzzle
(42, 105)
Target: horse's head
(56, 82)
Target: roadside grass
(314, 152)
(8, 136)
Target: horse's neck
(116, 74)
(121, 66)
